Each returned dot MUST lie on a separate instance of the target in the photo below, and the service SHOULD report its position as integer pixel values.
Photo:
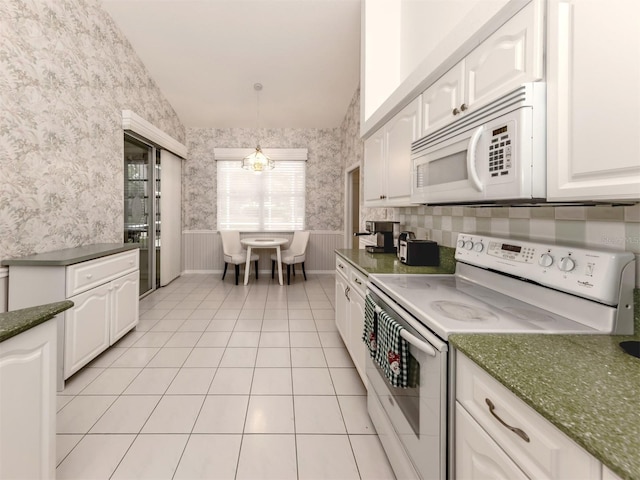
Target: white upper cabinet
(387, 159)
(513, 55)
(406, 42)
(442, 98)
(593, 100)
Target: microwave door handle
(416, 342)
(471, 159)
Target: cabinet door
(441, 99)
(513, 55)
(593, 104)
(124, 305)
(401, 130)
(477, 456)
(374, 168)
(357, 347)
(342, 308)
(27, 403)
(86, 328)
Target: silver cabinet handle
(463, 107)
(456, 111)
(515, 430)
(357, 281)
(346, 293)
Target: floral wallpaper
(324, 202)
(66, 74)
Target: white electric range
(500, 286)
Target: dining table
(263, 242)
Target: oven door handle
(416, 342)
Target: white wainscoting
(202, 251)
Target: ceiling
(206, 55)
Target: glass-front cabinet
(142, 207)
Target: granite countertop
(69, 256)
(369, 263)
(585, 385)
(17, 321)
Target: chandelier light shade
(257, 161)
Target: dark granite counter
(585, 385)
(17, 321)
(69, 256)
(369, 263)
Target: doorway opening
(352, 206)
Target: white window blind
(273, 200)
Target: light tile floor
(223, 382)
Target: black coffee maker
(383, 230)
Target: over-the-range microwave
(496, 154)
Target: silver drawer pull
(515, 430)
(89, 275)
(358, 281)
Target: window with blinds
(273, 200)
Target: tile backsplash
(615, 227)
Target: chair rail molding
(136, 124)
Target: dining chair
(234, 253)
(296, 253)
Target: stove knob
(545, 260)
(478, 247)
(468, 245)
(460, 243)
(566, 264)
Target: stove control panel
(594, 274)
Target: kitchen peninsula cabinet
(513, 55)
(350, 293)
(103, 283)
(28, 346)
(593, 104)
(387, 159)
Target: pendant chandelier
(257, 161)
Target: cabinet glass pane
(138, 195)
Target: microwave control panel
(500, 147)
(594, 274)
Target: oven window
(408, 399)
(449, 169)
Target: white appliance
(494, 154)
(500, 286)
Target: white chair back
(298, 244)
(231, 242)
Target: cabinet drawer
(358, 281)
(549, 453)
(86, 275)
(342, 266)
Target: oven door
(417, 415)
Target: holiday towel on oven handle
(370, 325)
(382, 335)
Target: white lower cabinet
(98, 319)
(350, 293)
(105, 292)
(497, 435)
(28, 404)
(477, 455)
